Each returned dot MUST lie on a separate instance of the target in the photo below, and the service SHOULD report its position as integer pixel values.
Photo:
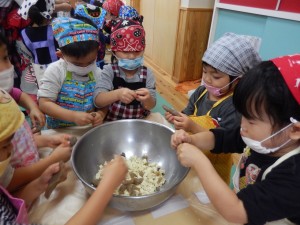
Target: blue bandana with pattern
(94, 13)
(127, 12)
(68, 30)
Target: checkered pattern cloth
(134, 110)
(232, 54)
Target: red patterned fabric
(112, 6)
(127, 36)
(133, 110)
(289, 67)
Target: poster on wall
(264, 4)
(289, 6)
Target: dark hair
(263, 90)
(34, 12)
(81, 48)
(231, 78)
(3, 40)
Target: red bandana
(127, 36)
(112, 6)
(289, 67)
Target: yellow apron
(222, 162)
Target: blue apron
(76, 96)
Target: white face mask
(7, 79)
(257, 145)
(79, 70)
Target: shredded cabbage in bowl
(143, 178)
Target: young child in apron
(126, 87)
(267, 179)
(66, 91)
(38, 46)
(210, 106)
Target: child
(39, 40)
(210, 106)
(112, 8)
(268, 97)
(229, 58)
(13, 209)
(66, 93)
(25, 152)
(126, 86)
(25, 144)
(11, 118)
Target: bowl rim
(123, 196)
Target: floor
(166, 88)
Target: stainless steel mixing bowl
(133, 137)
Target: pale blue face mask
(131, 64)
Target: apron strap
(196, 109)
(280, 160)
(214, 105)
(69, 76)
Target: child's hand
(62, 152)
(143, 95)
(169, 117)
(179, 137)
(188, 155)
(42, 182)
(82, 118)
(182, 122)
(36, 115)
(55, 140)
(98, 118)
(115, 171)
(126, 95)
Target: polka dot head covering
(24, 8)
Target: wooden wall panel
(135, 4)
(147, 9)
(160, 22)
(192, 38)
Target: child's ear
(59, 54)
(295, 132)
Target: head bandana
(11, 117)
(127, 35)
(127, 12)
(112, 6)
(289, 67)
(24, 8)
(88, 10)
(232, 54)
(68, 30)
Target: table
(69, 197)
